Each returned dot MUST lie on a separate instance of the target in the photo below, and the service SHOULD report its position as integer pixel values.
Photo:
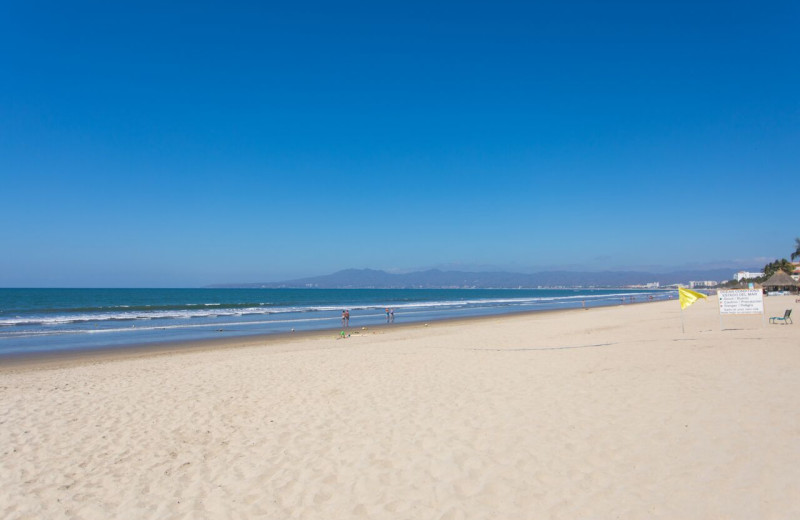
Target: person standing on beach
(391, 315)
(387, 314)
(347, 318)
(344, 318)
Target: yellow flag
(688, 297)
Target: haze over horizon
(148, 145)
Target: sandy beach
(605, 413)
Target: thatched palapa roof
(780, 279)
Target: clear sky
(150, 144)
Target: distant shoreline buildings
(703, 284)
(650, 285)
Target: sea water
(50, 320)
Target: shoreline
(129, 323)
(63, 358)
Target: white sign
(745, 301)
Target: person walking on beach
(347, 318)
(344, 318)
(387, 314)
(391, 315)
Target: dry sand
(597, 414)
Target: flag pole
(683, 329)
(686, 298)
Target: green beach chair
(787, 318)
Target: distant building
(796, 272)
(704, 283)
(653, 285)
(746, 275)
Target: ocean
(36, 321)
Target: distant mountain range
(437, 279)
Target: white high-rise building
(745, 275)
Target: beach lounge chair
(787, 318)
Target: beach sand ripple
(605, 413)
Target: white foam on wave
(141, 328)
(131, 316)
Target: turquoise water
(47, 320)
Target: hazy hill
(435, 278)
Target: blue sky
(154, 145)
